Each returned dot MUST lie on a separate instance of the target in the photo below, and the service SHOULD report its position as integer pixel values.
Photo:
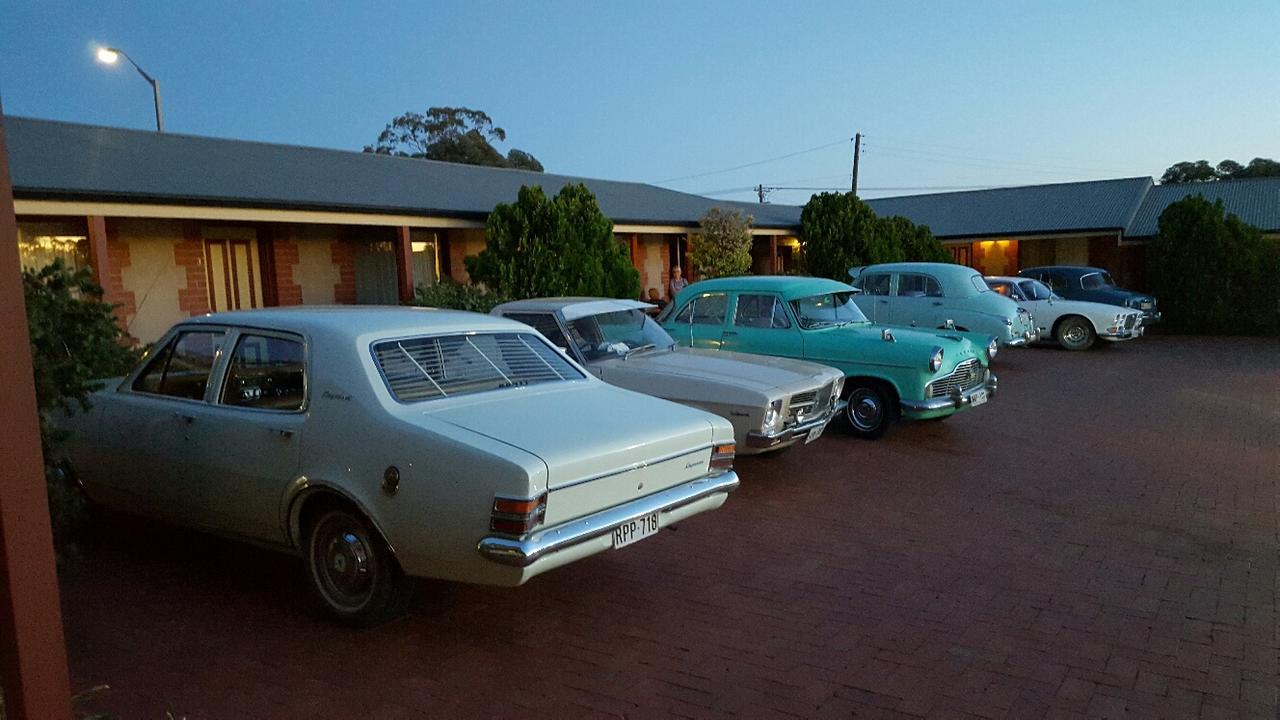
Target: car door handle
(285, 433)
(730, 333)
(184, 418)
(937, 303)
(883, 302)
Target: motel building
(174, 226)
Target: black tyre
(352, 571)
(1075, 333)
(871, 410)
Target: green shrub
(540, 247)
(838, 231)
(723, 248)
(75, 343)
(1213, 273)
(456, 296)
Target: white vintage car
(1074, 324)
(772, 402)
(384, 442)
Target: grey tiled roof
(1255, 201)
(1025, 210)
(51, 159)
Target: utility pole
(857, 150)
(760, 192)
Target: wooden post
(33, 656)
(98, 260)
(404, 264)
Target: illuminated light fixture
(419, 247)
(110, 56)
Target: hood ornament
(950, 324)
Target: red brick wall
(344, 256)
(189, 255)
(284, 256)
(113, 283)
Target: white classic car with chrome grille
(772, 402)
(1074, 324)
(383, 442)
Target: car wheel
(1075, 333)
(870, 410)
(351, 569)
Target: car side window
(708, 309)
(182, 369)
(544, 323)
(267, 373)
(1055, 281)
(877, 284)
(760, 311)
(913, 285)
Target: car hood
(911, 347)
(588, 429)
(755, 372)
(1115, 296)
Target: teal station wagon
(890, 372)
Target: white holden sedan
(385, 442)
(1074, 324)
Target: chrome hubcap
(865, 410)
(344, 561)
(1075, 334)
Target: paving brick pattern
(1100, 541)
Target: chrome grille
(1130, 321)
(966, 375)
(805, 405)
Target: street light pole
(109, 56)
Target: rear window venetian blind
(443, 366)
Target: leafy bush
(456, 296)
(1212, 272)
(723, 248)
(75, 342)
(540, 246)
(839, 231)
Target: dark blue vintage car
(1093, 284)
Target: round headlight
(935, 360)
(993, 347)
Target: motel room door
(235, 281)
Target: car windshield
(619, 333)
(1096, 280)
(827, 309)
(1035, 290)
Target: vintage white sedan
(1074, 324)
(773, 403)
(384, 442)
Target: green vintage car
(890, 372)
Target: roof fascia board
(239, 214)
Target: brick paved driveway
(1100, 541)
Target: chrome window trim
(239, 334)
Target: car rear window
(426, 368)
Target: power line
(754, 164)
(984, 161)
(898, 188)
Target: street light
(110, 56)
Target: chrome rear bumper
(522, 552)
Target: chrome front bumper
(1025, 338)
(522, 552)
(768, 440)
(955, 400)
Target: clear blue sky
(947, 93)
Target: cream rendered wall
(462, 244)
(152, 275)
(316, 272)
(654, 251)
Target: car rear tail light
(722, 458)
(517, 516)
